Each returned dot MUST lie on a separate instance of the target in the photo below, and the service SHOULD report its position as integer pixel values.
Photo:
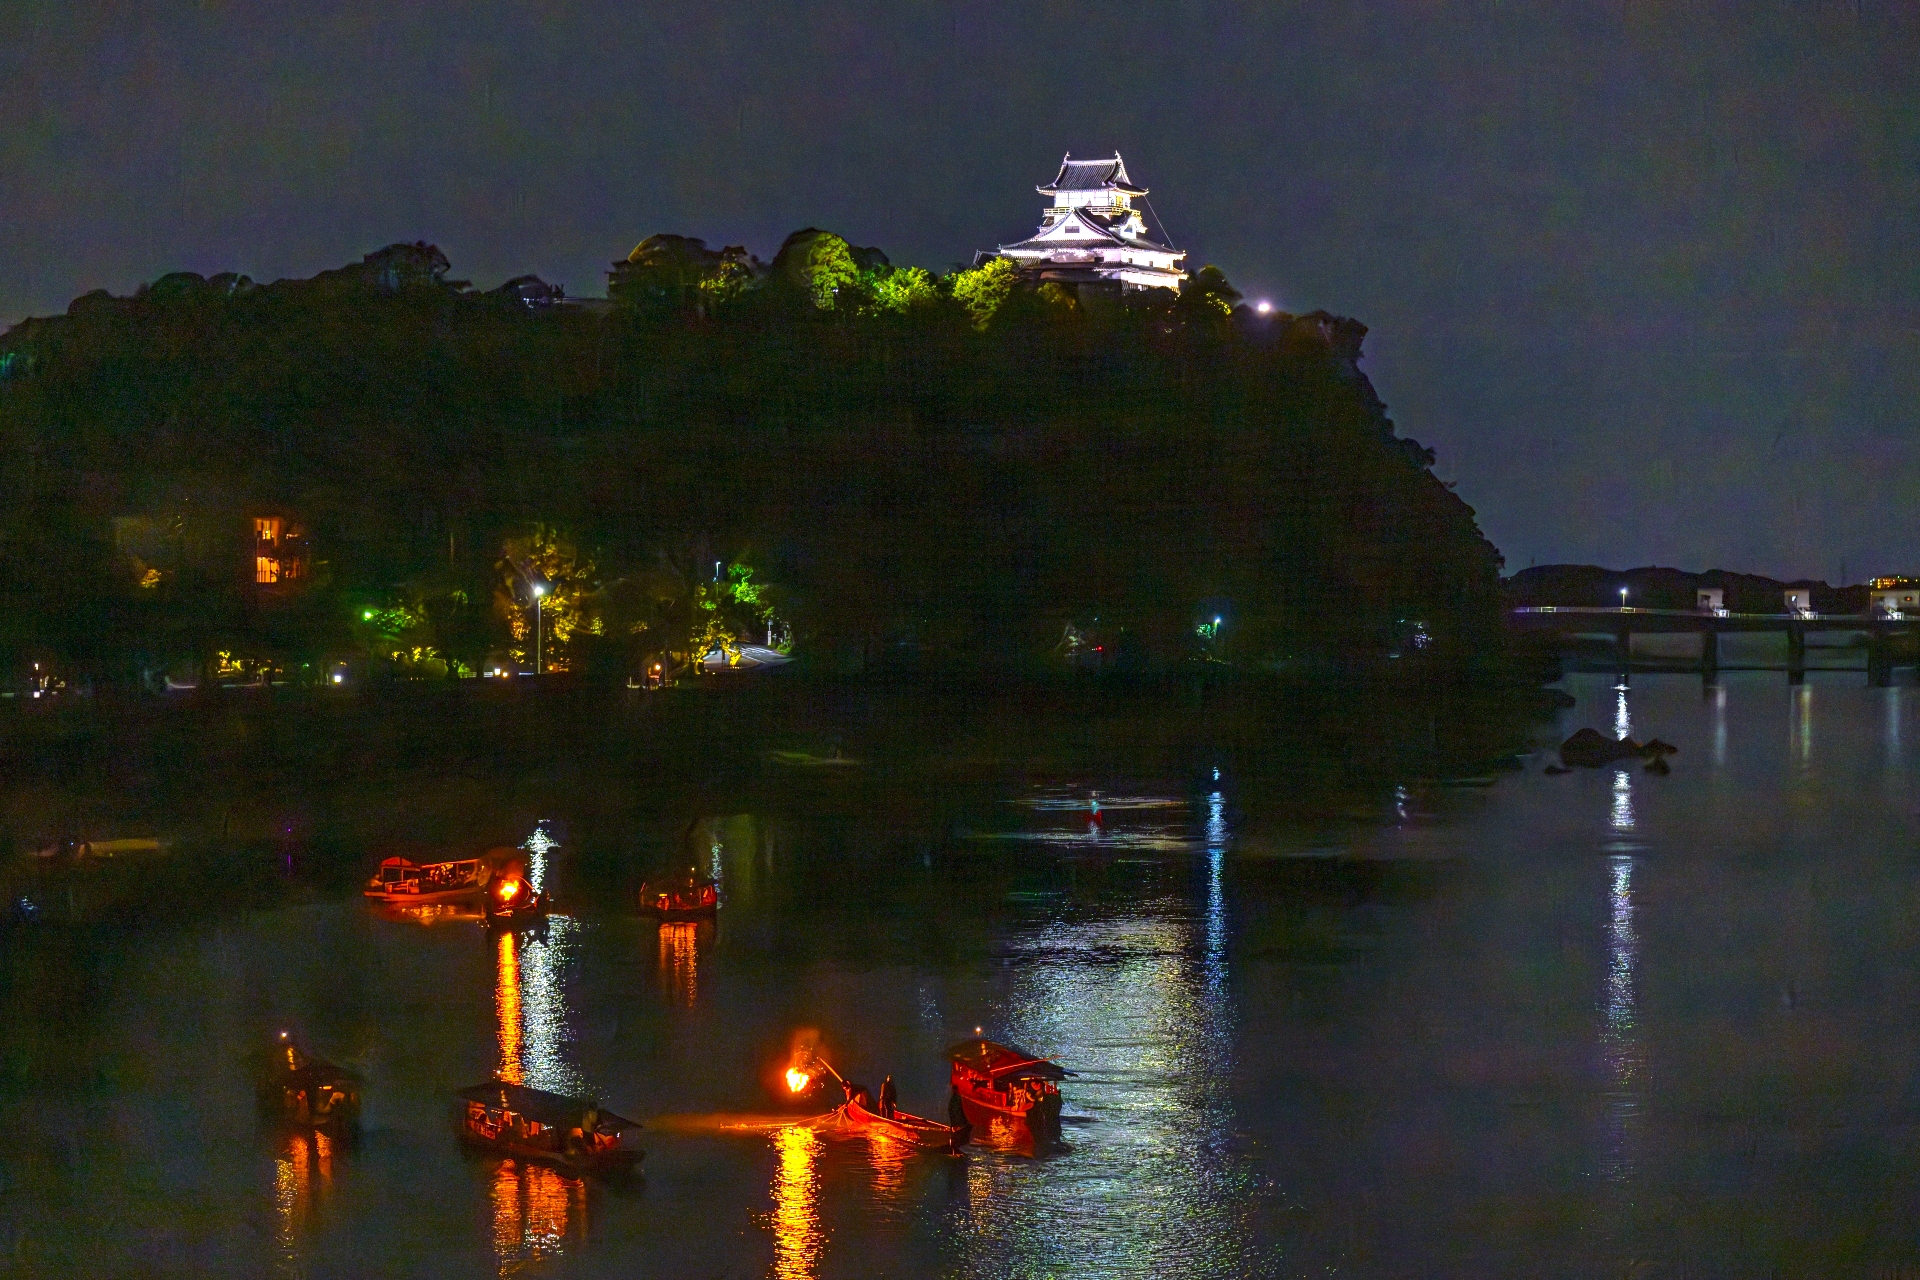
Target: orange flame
(798, 1080)
(507, 889)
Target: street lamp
(539, 591)
(1623, 597)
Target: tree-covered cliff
(958, 471)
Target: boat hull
(902, 1125)
(469, 894)
(605, 1164)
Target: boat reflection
(798, 1239)
(434, 913)
(302, 1173)
(680, 944)
(537, 1214)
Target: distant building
(1091, 234)
(1799, 601)
(279, 552)
(1710, 600)
(1893, 597)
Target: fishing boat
(854, 1114)
(858, 1114)
(1002, 1086)
(511, 900)
(575, 1135)
(406, 883)
(689, 897)
(309, 1092)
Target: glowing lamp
(507, 890)
(1263, 306)
(539, 590)
(367, 616)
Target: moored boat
(575, 1135)
(309, 1092)
(687, 898)
(1002, 1085)
(404, 882)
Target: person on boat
(957, 1119)
(888, 1097)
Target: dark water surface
(1605, 1024)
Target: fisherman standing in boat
(888, 1097)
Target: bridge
(1625, 622)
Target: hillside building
(1091, 233)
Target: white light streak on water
(538, 845)
(1217, 837)
(1619, 1036)
(1622, 719)
(1621, 817)
(1802, 719)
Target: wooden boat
(511, 901)
(406, 883)
(307, 1091)
(574, 1135)
(1003, 1085)
(854, 1114)
(689, 898)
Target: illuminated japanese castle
(1092, 234)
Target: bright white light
(1263, 306)
(339, 677)
(1216, 621)
(539, 590)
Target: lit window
(267, 530)
(266, 569)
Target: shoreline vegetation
(998, 531)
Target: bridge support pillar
(1879, 659)
(1623, 649)
(1709, 655)
(1796, 653)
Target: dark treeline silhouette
(888, 467)
(1653, 587)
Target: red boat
(1002, 1086)
(689, 898)
(511, 900)
(404, 882)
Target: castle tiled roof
(1092, 175)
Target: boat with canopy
(1002, 1085)
(687, 897)
(309, 1092)
(575, 1135)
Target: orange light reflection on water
(535, 1212)
(301, 1173)
(680, 961)
(798, 1239)
(506, 1004)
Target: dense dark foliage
(936, 472)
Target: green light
(367, 616)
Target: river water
(1605, 1024)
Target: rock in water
(1659, 765)
(1591, 749)
(1656, 748)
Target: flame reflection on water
(301, 1173)
(530, 1007)
(535, 1213)
(798, 1239)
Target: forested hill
(960, 470)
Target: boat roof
(1004, 1061)
(538, 1104)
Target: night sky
(1646, 275)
